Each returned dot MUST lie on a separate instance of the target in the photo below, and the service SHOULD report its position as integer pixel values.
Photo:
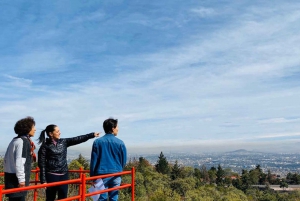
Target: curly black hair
(24, 126)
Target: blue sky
(217, 75)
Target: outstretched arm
(81, 138)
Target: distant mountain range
(239, 151)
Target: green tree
(205, 175)
(131, 163)
(198, 176)
(162, 165)
(143, 164)
(181, 186)
(245, 180)
(254, 176)
(283, 184)
(74, 165)
(270, 178)
(84, 162)
(220, 174)
(295, 179)
(1, 170)
(176, 171)
(212, 175)
(187, 172)
(164, 194)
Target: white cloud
(278, 135)
(47, 60)
(18, 82)
(203, 12)
(278, 120)
(94, 16)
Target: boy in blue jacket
(108, 156)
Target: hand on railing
(22, 184)
(45, 183)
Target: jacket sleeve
(79, 139)
(20, 161)
(124, 155)
(94, 159)
(42, 163)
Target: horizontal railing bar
(12, 190)
(71, 198)
(73, 181)
(108, 175)
(108, 190)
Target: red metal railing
(82, 181)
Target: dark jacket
(109, 155)
(17, 164)
(53, 158)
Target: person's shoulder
(119, 140)
(17, 140)
(100, 139)
(62, 140)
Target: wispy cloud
(17, 82)
(94, 16)
(279, 120)
(203, 12)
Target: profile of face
(32, 131)
(55, 135)
(115, 131)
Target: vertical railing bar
(132, 183)
(83, 188)
(35, 192)
(80, 186)
(1, 188)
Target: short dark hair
(109, 124)
(24, 126)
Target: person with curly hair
(52, 159)
(18, 158)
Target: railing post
(35, 194)
(1, 188)
(83, 187)
(80, 185)
(132, 183)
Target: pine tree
(162, 165)
(220, 175)
(142, 164)
(176, 171)
(84, 162)
(212, 175)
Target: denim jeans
(111, 182)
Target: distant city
(278, 163)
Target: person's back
(111, 154)
(108, 156)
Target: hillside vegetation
(172, 182)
